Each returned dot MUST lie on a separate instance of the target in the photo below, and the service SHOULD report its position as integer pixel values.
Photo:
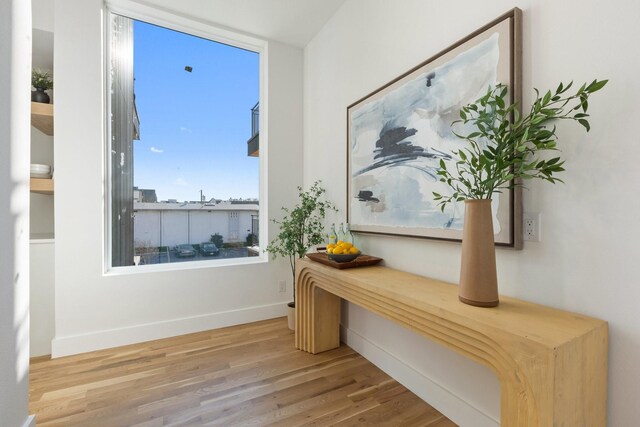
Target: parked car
(209, 249)
(185, 250)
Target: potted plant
(301, 228)
(41, 81)
(502, 152)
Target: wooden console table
(552, 364)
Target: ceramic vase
(39, 95)
(478, 277)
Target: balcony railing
(255, 119)
(253, 144)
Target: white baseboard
(454, 408)
(30, 421)
(74, 344)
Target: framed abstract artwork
(398, 134)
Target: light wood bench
(552, 364)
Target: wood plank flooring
(248, 375)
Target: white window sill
(185, 265)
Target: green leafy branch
(301, 227)
(503, 149)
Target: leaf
(585, 123)
(553, 161)
(585, 104)
(581, 89)
(567, 87)
(596, 85)
(516, 115)
(488, 155)
(549, 112)
(544, 134)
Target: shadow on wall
(14, 313)
(15, 72)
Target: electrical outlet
(532, 227)
(282, 286)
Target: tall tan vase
(478, 278)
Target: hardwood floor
(242, 375)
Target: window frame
(207, 30)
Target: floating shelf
(42, 186)
(42, 117)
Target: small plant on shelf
(41, 80)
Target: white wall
(15, 68)
(41, 302)
(94, 310)
(204, 224)
(585, 262)
(43, 14)
(175, 227)
(194, 227)
(147, 229)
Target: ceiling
(293, 22)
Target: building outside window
(182, 185)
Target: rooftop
(197, 206)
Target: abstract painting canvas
(398, 134)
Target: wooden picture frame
(397, 135)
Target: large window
(184, 182)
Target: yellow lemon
(331, 246)
(338, 251)
(354, 250)
(339, 243)
(329, 250)
(347, 245)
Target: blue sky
(194, 126)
